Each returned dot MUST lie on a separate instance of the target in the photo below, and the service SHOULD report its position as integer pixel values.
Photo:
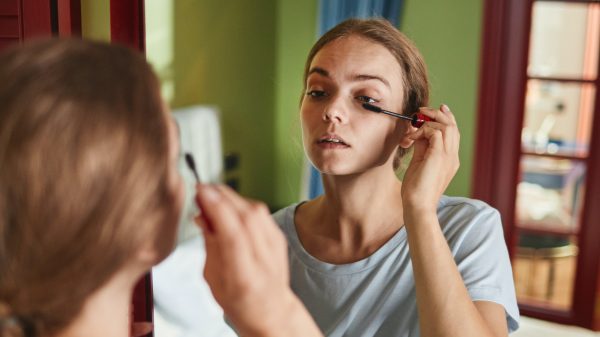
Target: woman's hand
(247, 266)
(434, 162)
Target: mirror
(231, 73)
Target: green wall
(448, 35)
(247, 59)
(296, 33)
(95, 19)
(223, 54)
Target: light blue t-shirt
(376, 296)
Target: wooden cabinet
(22, 20)
(538, 151)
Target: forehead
(353, 55)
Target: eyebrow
(359, 77)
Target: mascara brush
(189, 160)
(417, 120)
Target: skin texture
(360, 209)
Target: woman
(90, 198)
(376, 256)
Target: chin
(334, 169)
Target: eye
(366, 99)
(316, 93)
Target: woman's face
(341, 137)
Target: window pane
(549, 201)
(558, 117)
(544, 269)
(564, 40)
(549, 196)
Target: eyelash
(320, 94)
(367, 99)
(316, 94)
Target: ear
(406, 142)
(148, 254)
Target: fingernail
(445, 108)
(209, 193)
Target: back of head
(83, 147)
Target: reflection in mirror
(183, 303)
(243, 61)
(563, 63)
(564, 40)
(549, 200)
(558, 117)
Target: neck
(107, 311)
(362, 208)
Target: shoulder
(285, 216)
(460, 208)
(460, 216)
(463, 206)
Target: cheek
(377, 137)
(308, 119)
(179, 194)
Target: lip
(324, 141)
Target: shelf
(539, 228)
(563, 79)
(579, 156)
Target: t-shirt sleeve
(483, 262)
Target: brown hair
(83, 181)
(414, 72)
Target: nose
(334, 112)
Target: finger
(253, 215)
(452, 134)
(420, 133)
(217, 210)
(140, 329)
(211, 247)
(256, 220)
(433, 136)
(240, 204)
(445, 109)
(434, 114)
(232, 247)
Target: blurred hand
(247, 266)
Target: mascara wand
(417, 120)
(189, 160)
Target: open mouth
(330, 140)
